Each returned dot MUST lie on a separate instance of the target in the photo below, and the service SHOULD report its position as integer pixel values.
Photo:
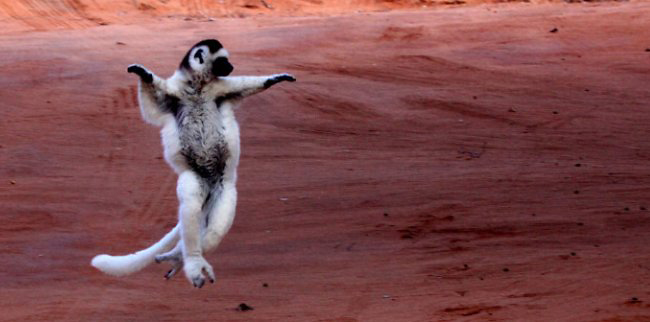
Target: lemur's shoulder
(217, 89)
(177, 84)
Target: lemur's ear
(198, 56)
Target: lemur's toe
(208, 270)
(198, 281)
(170, 274)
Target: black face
(221, 67)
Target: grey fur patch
(202, 142)
(171, 104)
(230, 96)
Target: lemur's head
(207, 59)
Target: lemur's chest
(200, 122)
(202, 133)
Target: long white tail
(128, 264)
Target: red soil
(438, 165)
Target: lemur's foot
(279, 78)
(176, 267)
(194, 269)
(172, 255)
(139, 70)
(175, 258)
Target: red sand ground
(438, 165)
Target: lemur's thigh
(192, 192)
(220, 217)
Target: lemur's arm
(234, 87)
(150, 89)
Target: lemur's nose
(229, 69)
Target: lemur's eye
(199, 55)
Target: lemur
(195, 108)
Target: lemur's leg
(192, 193)
(242, 86)
(220, 217)
(150, 89)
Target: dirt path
(443, 165)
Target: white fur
(127, 264)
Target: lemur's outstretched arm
(234, 87)
(151, 89)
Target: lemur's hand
(279, 78)
(285, 77)
(139, 70)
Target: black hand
(287, 78)
(145, 76)
(272, 81)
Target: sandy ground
(450, 164)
